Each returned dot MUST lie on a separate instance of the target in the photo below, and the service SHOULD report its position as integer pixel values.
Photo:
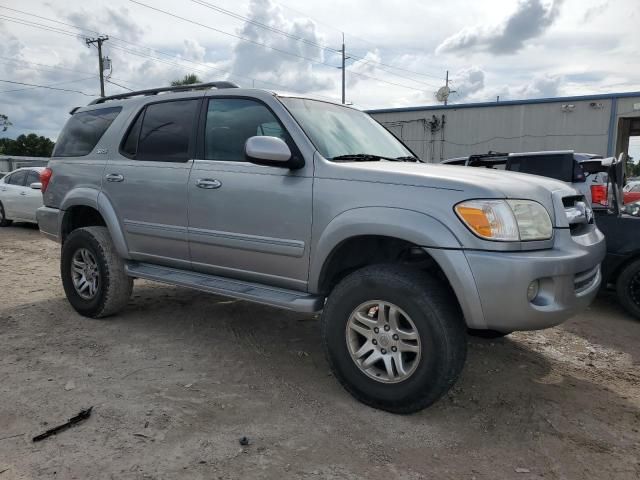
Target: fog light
(532, 290)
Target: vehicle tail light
(599, 194)
(45, 176)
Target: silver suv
(314, 207)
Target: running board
(253, 292)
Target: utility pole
(343, 70)
(98, 41)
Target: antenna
(443, 94)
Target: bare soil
(179, 377)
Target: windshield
(336, 131)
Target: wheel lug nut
(383, 351)
(395, 336)
(394, 349)
(376, 329)
(374, 341)
(386, 328)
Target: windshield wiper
(368, 157)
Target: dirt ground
(178, 377)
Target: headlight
(506, 220)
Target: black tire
(114, 285)
(628, 288)
(439, 323)
(4, 222)
(474, 332)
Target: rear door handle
(208, 183)
(23, 193)
(114, 177)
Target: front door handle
(22, 193)
(208, 183)
(114, 177)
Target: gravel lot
(178, 377)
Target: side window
(32, 177)
(83, 131)
(635, 189)
(165, 132)
(130, 144)
(18, 178)
(231, 121)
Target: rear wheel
(4, 222)
(93, 274)
(628, 288)
(394, 337)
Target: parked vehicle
(621, 226)
(631, 192)
(564, 165)
(20, 196)
(313, 206)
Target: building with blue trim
(600, 124)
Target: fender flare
(90, 197)
(416, 227)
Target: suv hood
(473, 182)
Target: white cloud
(530, 19)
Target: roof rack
(177, 88)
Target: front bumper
(492, 286)
(49, 220)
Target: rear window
(83, 131)
(559, 166)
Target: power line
(121, 48)
(48, 87)
(118, 85)
(304, 40)
(39, 66)
(386, 81)
(118, 47)
(239, 37)
(264, 25)
(57, 83)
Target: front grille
(585, 280)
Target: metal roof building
(11, 162)
(600, 124)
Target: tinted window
(635, 188)
(230, 122)
(33, 177)
(130, 144)
(166, 134)
(17, 178)
(83, 131)
(558, 166)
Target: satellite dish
(443, 93)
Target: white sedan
(20, 196)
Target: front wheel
(394, 337)
(93, 275)
(628, 288)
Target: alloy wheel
(85, 273)
(383, 341)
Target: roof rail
(177, 88)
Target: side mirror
(36, 186)
(267, 151)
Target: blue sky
(399, 50)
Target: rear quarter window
(83, 131)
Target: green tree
(4, 122)
(187, 80)
(30, 145)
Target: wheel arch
(86, 207)
(396, 230)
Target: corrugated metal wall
(506, 128)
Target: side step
(253, 292)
